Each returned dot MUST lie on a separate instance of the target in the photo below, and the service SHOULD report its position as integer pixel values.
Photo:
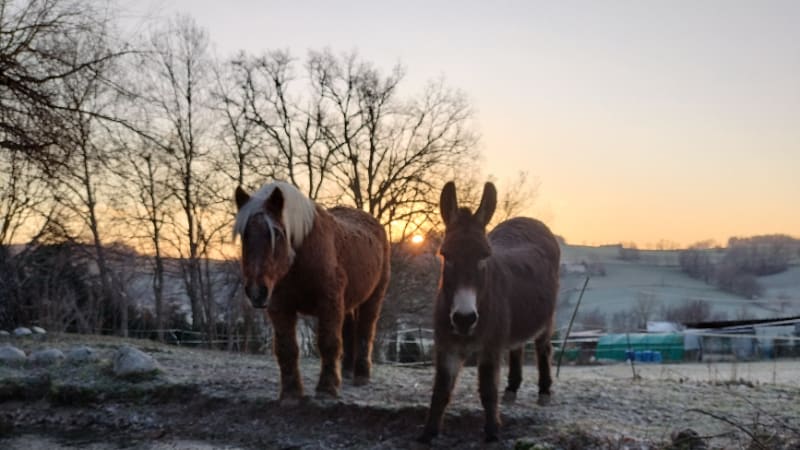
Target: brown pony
(495, 293)
(299, 258)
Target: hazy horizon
(674, 121)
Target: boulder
(11, 356)
(81, 354)
(22, 331)
(4, 333)
(46, 357)
(38, 330)
(130, 362)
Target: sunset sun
(417, 239)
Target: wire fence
(412, 346)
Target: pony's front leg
(488, 379)
(448, 365)
(329, 342)
(284, 344)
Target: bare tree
(644, 308)
(86, 96)
(21, 193)
(594, 319)
(348, 137)
(696, 260)
(516, 196)
(246, 158)
(177, 91)
(37, 58)
(143, 193)
(690, 311)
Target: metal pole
(569, 328)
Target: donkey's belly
(529, 323)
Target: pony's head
(272, 224)
(464, 251)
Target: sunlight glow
(417, 239)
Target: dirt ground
(208, 399)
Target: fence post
(569, 328)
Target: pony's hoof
(326, 395)
(543, 400)
(509, 397)
(289, 401)
(360, 380)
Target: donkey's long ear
(488, 204)
(241, 197)
(448, 204)
(274, 203)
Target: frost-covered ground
(209, 399)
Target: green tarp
(613, 346)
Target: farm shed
(748, 339)
(614, 346)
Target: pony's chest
(297, 293)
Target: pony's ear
(448, 203)
(274, 203)
(488, 204)
(241, 197)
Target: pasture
(212, 399)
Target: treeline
(736, 267)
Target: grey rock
(132, 362)
(38, 330)
(11, 356)
(22, 331)
(46, 357)
(81, 354)
(4, 333)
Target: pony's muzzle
(464, 322)
(257, 293)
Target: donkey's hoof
(361, 380)
(509, 397)
(543, 400)
(426, 437)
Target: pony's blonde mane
(298, 212)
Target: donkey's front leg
(448, 365)
(329, 342)
(544, 348)
(488, 378)
(284, 344)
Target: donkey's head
(266, 251)
(464, 251)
